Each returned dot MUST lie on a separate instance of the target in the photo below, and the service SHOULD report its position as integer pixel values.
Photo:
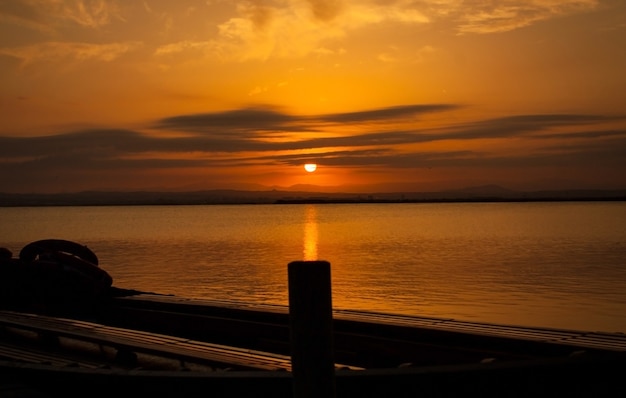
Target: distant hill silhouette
(487, 190)
(487, 193)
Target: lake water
(560, 265)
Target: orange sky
(382, 95)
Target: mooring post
(311, 329)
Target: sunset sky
(383, 95)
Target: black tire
(33, 249)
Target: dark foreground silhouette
(66, 330)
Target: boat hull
(571, 377)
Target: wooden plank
(600, 340)
(149, 343)
(23, 354)
(607, 341)
(592, 340)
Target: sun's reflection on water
(310, 233)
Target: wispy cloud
(260, 30)
(272, 118)
(64, 51)
(48, 14)
(523, 125)
(391, 140)
(393, 112)
(89, 13)
(174, 48)
(25, 14)
(248, 132)
(252, 118)
(489, 16)
(295, 28)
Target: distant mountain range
(487, 193)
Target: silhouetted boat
(119, 341)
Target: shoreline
(222, 197)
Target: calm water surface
(536, 264)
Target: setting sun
(310, 167)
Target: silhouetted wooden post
(311, 328)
